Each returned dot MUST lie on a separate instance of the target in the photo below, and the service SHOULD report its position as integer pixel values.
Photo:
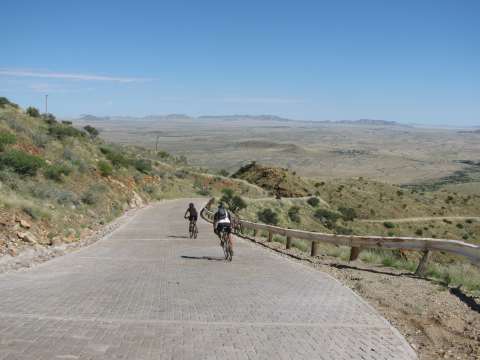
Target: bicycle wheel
(191, 230)
(195, 231)
(226, 250)
(230, 250)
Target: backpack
(222, 214)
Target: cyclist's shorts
(193, 218)
(224, 227)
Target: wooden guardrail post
(270, 236)
(422, 266)
(354, 252)
(314, 250)
(289, 242)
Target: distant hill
(244, 117)
(370, 122)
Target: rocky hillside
(59, 183)
(278, 181)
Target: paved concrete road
(149, 292)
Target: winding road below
(146, 291)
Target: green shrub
(223, 172)
(343, 230)
(21, 162)
(237, 204)
(227, 196)
(313, 201)
(117, 158)
(293, 214)
(57, 171)
(234, 202)
(326, 215)
(389, 224)
(105, 168)
(419, 232)
(6, 138)
(91, 130)
(33, 112)
(62, 131)
(49, 119)
(163, 155)
(143, 165)
(89, 198)
(268, 216)
(348, 214)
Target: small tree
(237, 204)
(49, 118)
(33, 112)
(293, 214)
(313, 201)
(268, 216)
(348, 214)
(227, 195)
(143, 165)
(91, 130)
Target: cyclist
(222, 220)
(192, 214)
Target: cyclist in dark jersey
(192, 213)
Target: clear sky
(409, 61)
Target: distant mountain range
(93, 118)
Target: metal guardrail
(357, 243)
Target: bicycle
(226, 244)
(192, 229)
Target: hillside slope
(59, 183)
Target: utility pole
(46, 104)
(156, 143)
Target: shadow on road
(177, 237)
(211, 258)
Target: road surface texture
(146, 291)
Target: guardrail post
(270, 236)
(354, 252)
(254, 232)
(314, 251)
(289, 242)
(422, 266)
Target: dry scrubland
(387, 153)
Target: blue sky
(410, 61)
